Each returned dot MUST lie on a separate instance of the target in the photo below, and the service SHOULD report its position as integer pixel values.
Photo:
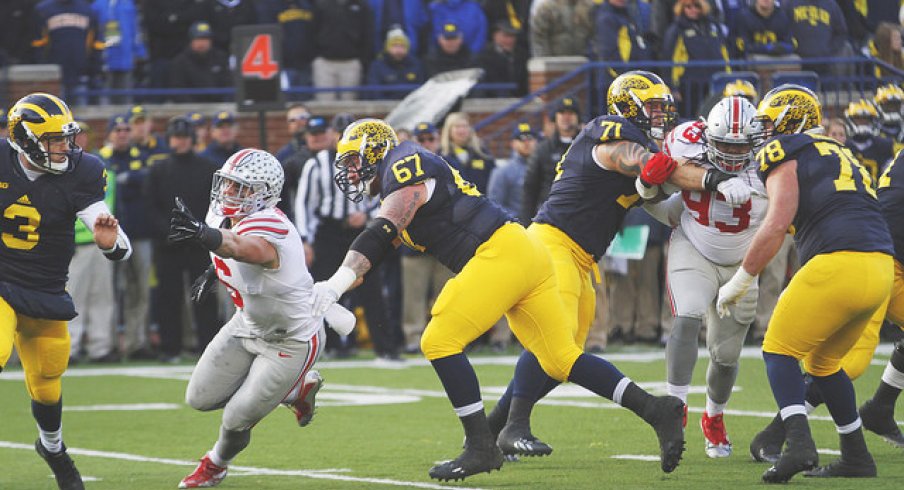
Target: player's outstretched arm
(369, 248)
(108, 236)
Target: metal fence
(837, 81)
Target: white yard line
(313, 474)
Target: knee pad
(52, 356)
(686, 328)
(557, 369)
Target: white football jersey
(721, 233)
(274, 303)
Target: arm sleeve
(89, 215)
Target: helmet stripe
(735, 115)
(238, 157)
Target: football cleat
(303, 406)
(799, 454)
(880, 420)
(717, 443)
(665, 414)
(472, 460)
(64, 470)
(766, 446)
(205, 475)
(519, 441)
(843, 469)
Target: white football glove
(326, 293)
(735, 191)
(733, 290)
(340, 319)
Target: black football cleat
(666, 415)
(843, 469)
(880, 419)
(766, 446)
(471, 461)
(67, 476)
(799, 454)
(517, 440)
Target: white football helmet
(249, 181)
(731, 130)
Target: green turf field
(379, 427)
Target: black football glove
(204, 285)
(184, 226)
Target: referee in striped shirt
(328, 223)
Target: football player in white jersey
(263, 356)
(706, 248)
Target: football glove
(733, 290)
(657, 170)
(326, 293)
(184, 226)
(735, 191)
(204, 285)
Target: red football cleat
(303, 406)
(205, 475)
(717, 443)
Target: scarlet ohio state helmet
(249, 181)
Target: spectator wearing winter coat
(296, 17)
(764, 29)
(503, 61)
(123, 44)
(616, 36)
(200, 65)
(395, 66)
(411, 15)
(562, 28)
(467, 15)
(344, 45)
(693, 36)
(453, 53)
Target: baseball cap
(196, 118)
(117, 120)
(451, 30)
(138, 112)
(341, 121)
(424, 128)
(317, 124)
(506, 26)
(568, 104)
(223, 117)
(200, 29)
(522, 130)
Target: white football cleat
(717, 443)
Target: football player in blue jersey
(605, 171)
(501, 270)
(46, 182)
(861, 119)
(819, 190)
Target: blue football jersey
(837, 208)
(891, 198)
(586, 201)
(455, 221)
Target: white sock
(215, 457)
(713, 408)
(678, 390)
(52, 440)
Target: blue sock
(814, 396)
(459, 379)
(838, 393)
(785, 379)
(49, 417)
(530, 379)
(596, 374)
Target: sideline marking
(314, 474)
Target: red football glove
(657, 170)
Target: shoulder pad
(685, 141)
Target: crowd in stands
(117, 44)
